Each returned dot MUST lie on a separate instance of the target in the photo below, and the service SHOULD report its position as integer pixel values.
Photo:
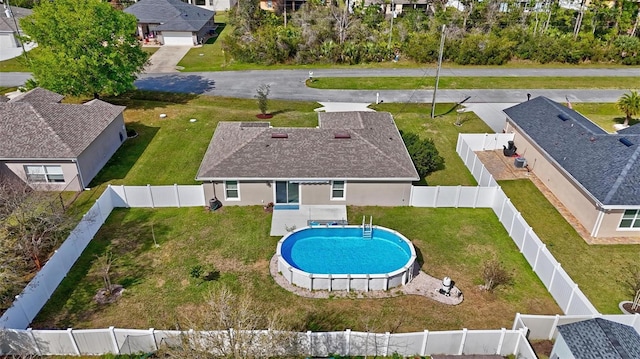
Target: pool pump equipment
(447, 284)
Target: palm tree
(629, 103)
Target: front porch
(286, 219)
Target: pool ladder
(367, 229)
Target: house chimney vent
(342, 134)
(563, 117)
(279, 135)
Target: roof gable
(367, 146)
(602, 339)
(583, 149)
(46, 129)
(172, 15)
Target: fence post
(524, 240)
(520, 337)
(102, 219)
(473, 167)
(503, 332)
(73, 341)
(554, 326)
(113, 340)
(458, 191)
(540, 248)
(475, 197)
(18, 302)
(553, 276)
(435, 197)
(480, 175)
(573, 294)
(504, 203)
(515, 322)
(386, 344)
(462, 341)
(175, 188)
(513, 222)
(347, 337)
(423, 350)
(310, 338)
(35, 342)
(153, 336)
(124, 193)
(151, 196)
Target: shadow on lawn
(127, 155)
(73, 300)
(176, 83)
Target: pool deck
(422, 284)
(285, 220)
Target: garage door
(174, 38)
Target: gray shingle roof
(32, 127)
(601, 339)
(374, 150)
(7, 24)
(173, 15)
(604, 166)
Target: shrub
(494, 274)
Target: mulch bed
(627, 307)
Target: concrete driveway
(166, 59)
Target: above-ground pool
(341, 258)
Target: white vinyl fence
(27, 305)
(545, 326)
(127, 341)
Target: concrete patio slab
(297, 218)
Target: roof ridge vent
(625, 141)
(279, 135)
(341, 134)
(564, 117)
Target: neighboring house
(216, 5)
(596, 338)
(352, 158)
(172, 22)
(9, 26)
(56, 146)
(595, 174)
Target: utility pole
(393, 14)
(435, 89)
(576, 29)
(285, 13)
(7, 7)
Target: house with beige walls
(350, 158)
(595, 174)
(57, 146)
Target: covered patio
(287, 219)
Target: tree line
(490, 32)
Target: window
(231, 190)
(201, 2)
(630, 219)
(40, 173)
(337, 190)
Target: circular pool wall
(340, 258)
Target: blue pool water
(337, 250)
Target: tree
(494, 274)
(31, 226)
(233, 326)
(85, 48)
(262, 96)
(629, 103)
(424, 154)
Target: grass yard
(410, 83)
(599, 270)
(604, 115)
(235, 241)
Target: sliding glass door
(287, 192)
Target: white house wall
(96, 155)
(69, 170)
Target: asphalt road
(290, 84)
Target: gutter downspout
(82, 186)
(596, 226)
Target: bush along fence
(315, 344)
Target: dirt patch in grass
(542, 348)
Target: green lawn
(599, 270)
(604, 115)
(410, 83)
(235, 242)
